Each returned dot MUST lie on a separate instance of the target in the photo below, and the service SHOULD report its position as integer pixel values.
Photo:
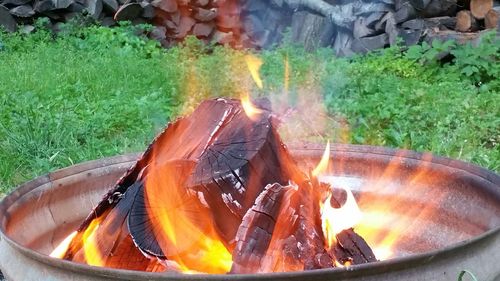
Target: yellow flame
(254, 63)
(250, 109)
(62, 248)
(183, 225)
(323, 163)
(93, 255)
(333, 220)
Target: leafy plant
(481, 63)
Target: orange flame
(62, 248)
(254, 63)
(93, 255)
(187, 232)
(333, 220)
(250, 109)
(323, 163)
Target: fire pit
(434, 217)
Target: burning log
(216, 182)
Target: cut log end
(479, 8)
(466, 22)
(492, 19)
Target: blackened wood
(112, 238)
(176, 142)
(256, 230)
(349, 246)
(243, 157)
(298, 241)
(355, 248)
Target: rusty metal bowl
(461, 233)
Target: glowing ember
(61, 249)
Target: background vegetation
(94, 92)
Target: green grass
(97, 92)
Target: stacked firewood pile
(348, 26)
(460, 20)
(22, 13)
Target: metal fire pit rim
(307, 150)
(394, 264)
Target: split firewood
(420, 4)
(492, 19)
(128, 11)
(23, 11)
(6, 20)
(218, 178)
(236, 157)
(350, 247)
(479, 8)
(466, 22)
(256, 230)
(438, 8)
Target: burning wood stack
(218, 192)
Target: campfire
(218, 192)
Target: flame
(185, 228)
(62, 248)
(333, 220)
(93, 255)
(250, 109)
(323, 163)
(254, 63)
